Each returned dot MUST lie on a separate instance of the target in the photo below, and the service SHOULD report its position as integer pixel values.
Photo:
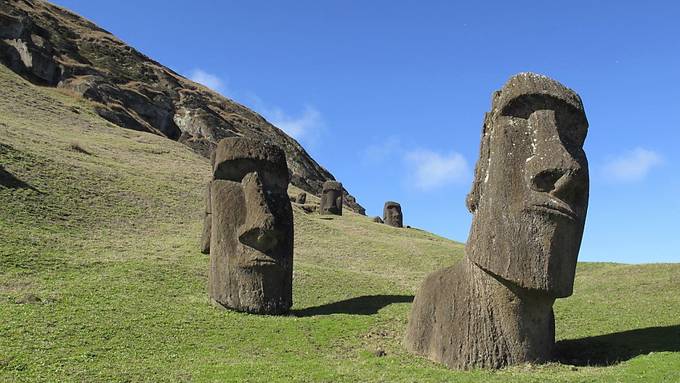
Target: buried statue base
(529, 199)
(465, 318)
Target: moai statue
(251, 241)
(529, 199)
(207, 223)
(331, 198)
(392, 214)
(207, 218)
(377, 219)
(301, 198)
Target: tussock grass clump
(77, 147)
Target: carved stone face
(252, 228)
(392, 214)
(530, 192)
(331, 198)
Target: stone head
(530, 193)
(392, 214)
(331, 198)
(252, 225)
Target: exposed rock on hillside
(51, 46)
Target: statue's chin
(558, 252)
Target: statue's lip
(262, 261)
(556, 208)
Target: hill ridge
(51, 46)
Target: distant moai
(331, 198)
(377, 219)
(301, 198)
(207, 218)
(251, 240)
(529, 198)
(207, 223)
(392, 214)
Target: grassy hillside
(101, 279)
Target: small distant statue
(529, 199)
(377, 219)
(301, 198)
(392, 214)
(331, 198)
(251, 241)
(207, 223)
(207, 218)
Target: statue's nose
(552, 168)
(258, 231)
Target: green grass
(101, 279)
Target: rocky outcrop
(51, 46)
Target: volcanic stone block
(301, 198)
(251, 242)
(207, 223)
(529, 199)
(331, 198)
(392, 214)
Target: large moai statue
(392, 214)
(251, 241)
(331, 198)
(529, 199)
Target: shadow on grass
(364, 305)
(8, 180)
(609, 349)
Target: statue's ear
(482, 167)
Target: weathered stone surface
(251, 244)
(464, 318)
(529, 199)
(331, 198)
(377, 219)
(531, 183)
(392, 214)
(301, 198)
(51, 46)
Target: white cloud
(633, 165)
(307, 126)
(208, 79)
(432, 170)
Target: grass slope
(101, 279)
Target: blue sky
(390, 96)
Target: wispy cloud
(633, 165)
(432, 170)
(381, 151)
(210, 80)
(306, 126)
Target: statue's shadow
(609, 349)
(363, 305)
(10, 181)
